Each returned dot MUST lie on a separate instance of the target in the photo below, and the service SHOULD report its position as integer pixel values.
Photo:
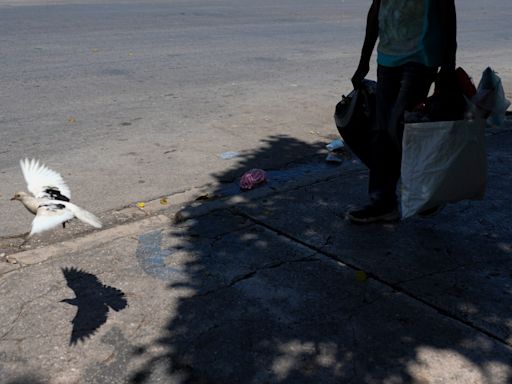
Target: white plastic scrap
(334, 158)
(229, 155)
(335, 145)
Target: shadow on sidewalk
(27, 379)
(269, 304)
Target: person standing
(417, 46)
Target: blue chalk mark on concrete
(151, 257)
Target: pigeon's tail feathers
(83, 215)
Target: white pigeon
(49, 200)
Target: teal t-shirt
(409, 31)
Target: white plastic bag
(442, 162)
(490, 98)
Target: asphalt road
(131, 100)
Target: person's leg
(382, 186)
(383, 206)
(398, 89)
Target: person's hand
(361, 72)
(450, 99)
(446, 78)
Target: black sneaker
(374, 212)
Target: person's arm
(370, 38)
(449, 25)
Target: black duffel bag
(355, 118)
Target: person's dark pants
(398, 89)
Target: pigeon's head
(19, 196)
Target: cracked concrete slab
(221, 299)
(271, 290)
(459, 261)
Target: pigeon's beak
(13, 198)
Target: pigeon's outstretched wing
(49, 216)
(42, 182)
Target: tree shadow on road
(283, 290)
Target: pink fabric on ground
(252, 177)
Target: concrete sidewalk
(271, 287)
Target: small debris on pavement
(229, 155)
(335, 145)
(334, 158)
(164, 201)
(206, 196)
(140, 205)
(11, 260)
(337, 151)
(251, 178)
(361, 276)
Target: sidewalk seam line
(394, 287)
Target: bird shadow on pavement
(93, 301)
(287, 291)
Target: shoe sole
(388, 217)
(434, 213)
